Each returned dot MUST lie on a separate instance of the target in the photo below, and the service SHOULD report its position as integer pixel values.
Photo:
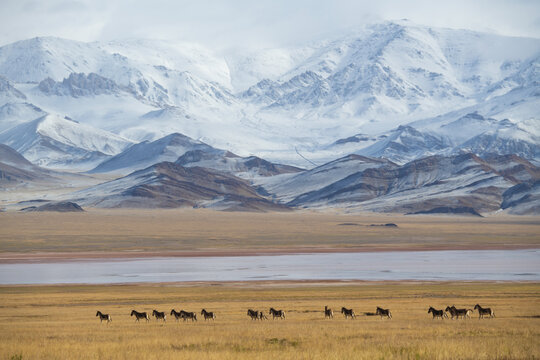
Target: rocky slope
(168, 185)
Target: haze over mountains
(344, 122)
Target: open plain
(59, 322)
(137, 233)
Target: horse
(262, 316)
(484, 311)
(277, 313)
(178, 315)
(189, 315)
(464, 313)
(140, 315)
(348, 312)
(451, 310)
(103, 317)
(437, 313)
(383, 312)
(208, 315)
(159, 315)
(254, 314)
(328, 313)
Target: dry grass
(58, 322)
(181, 230)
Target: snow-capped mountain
(8, 92)
(417, 117)
(425, 184)
(289, 186)
(250, 167)
(15, 170)
(169, 185)
(288, 104)
(189, 152)
(57, 142)
(77, 85)
(146, 153)
(522, 198)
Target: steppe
(59, 322)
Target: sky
(251, 23)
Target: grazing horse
(437, 313)
(383, 312)
(348, 312)
(208, 315)
(277, 313)
(159, 315)
(484, 311)
(103, 317)
(140, 315)
(262, 316)
(328, 313)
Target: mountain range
(388, 117)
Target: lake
(503, 265)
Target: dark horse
(383, 312)
(484, 311)
(103, 317)
(348, 313)
(178, 315)
(277, 313)
(437, 313)
(464, 313)
(140, 315)
(208, 315)
(254, 314)
(328, 313)
(159, 315)
(190, 316)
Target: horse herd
(454, 312)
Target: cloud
(220, 23)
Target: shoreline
(82, 256)
(277, 283)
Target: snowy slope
(251, 167)
(56, 142)
(421, 185)
(286, 187)
(290, 104)
(144, 154)
(168, 185)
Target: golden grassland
(185, 230)
(58, 322)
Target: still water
(507, 265)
